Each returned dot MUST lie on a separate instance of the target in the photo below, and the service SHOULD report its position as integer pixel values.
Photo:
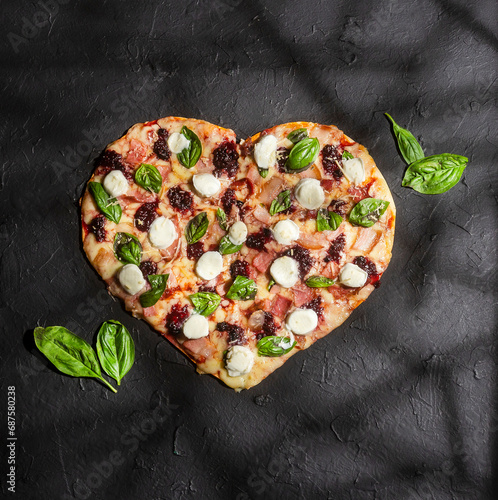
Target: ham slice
(149, 311)
(280, 306)
(328, 184)
(366, 239)
(302, 295)
(253, 175)
(203, 168)
(199, 348)
(271, 189)
(137, 152)
(262, 214)
(262, 261)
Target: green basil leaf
(346, 155)
(69, 354)
(148, 177)
(196, 228)
(281, 202)
(327, 220)
(127, 248)
(109, 207)
(221, 216)
(115, 349)
(298, 135)
(242, 289)
(263, 172)
(205, 303)
(270, 284)
(319, 282)
(302, 155)
(275, 346)
(435, 174)
(191, 154)
(227, 247)
(367, 212)
(158, 285)
(408, 145)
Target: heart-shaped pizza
(241, 253)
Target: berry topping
(370, 268)
(259, 239)
(315, 305)
(97, 226)
(282, 155)
(148, 267)
(336, 248)
(269, 326)
(303, 258)
(340, 207)
(195, 250)
(175, 319)
(145, 216)
(225, 159)
(239, 268)
(228, 200)
(180, 200)
(332, 161)
(235, 333)
(161, 145)
(110, 160)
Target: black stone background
(398, 403)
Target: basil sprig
(109, 207)
(158, 285)
(367, 212)
(115, 349)
(302, 155)
(270, 284)
(127, 248)
(205, 303)
(263, 172)
(435, 174)
(221, 217)
(326, 220)
(298, 135)
(196, 228)
(319, 282)
(281, 202)
(346, 155)
(148, 177)
(275, 346)
(408, 145)
(227, 247)
(191, 154)
(242, 289)
(69, 354)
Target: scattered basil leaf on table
(108, 206)
(242, 289)
(158, 285)
(127, 248)
(281, 202)
(302, 155)
(221, 216)
(319, 282)
(263, 172)
(326, 220)
(205, 303)
(69, 353)
(115, 349)
(275, 346)
(148, 177)
(196, 228)
(367, 212)
(408, 145)
(191, 154)
(227, 247)
(298, 135)
(346, 155)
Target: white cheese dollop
(265, 152)
(353, 276)
(302, 321)
(177, 142)
(196, 327)
(206, 185)
(309, 193)
(239, 361)
(285, 271)
(162, 233)
(354, 170)
(115, 183)
(209, 265)
(238, 233)
(285, 232)
(131, 279)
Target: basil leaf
(319, 282)
(127, 248)
(298, 135)
(196, 228)
(191, 154)
(270, 284)
(263, 172)
(205, 303)
(227, 247)
(115, 349)
(327, 220)
(107, 205)
(275, 346)
(302, 155)
(435, 174)
(70, 354)
(158, 285)
(242, 289)
(148, 177)
(221, 216)
(408, 145)
(281, 202)
(346, 155)
(367, 212)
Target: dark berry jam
(258, 240)
(282, 155)
(180, 200)
(303, 258)
(315, 305)
(175, 319)
(340, 207)
(235, 333)
(332, 161)
(160, 147)
(145, 216)
(207, 288)
(110, 160)
(225, 159)
(97, 226)
(336, 248)
(269, 326)
(370, 268)
(195, 250)
(148, 267)
(239, 268)
(228, 200)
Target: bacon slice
(280, 306)
(262, 214)
(270, 190)
(262, 261)
(302, 295)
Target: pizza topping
(177, 142)
(242, 289)
(275, 346)
(370, 268)
(145, 216)
(148, 267)
(309, 193)
(196, 327)
(226, 246)
(336, 248)
(196, 228)
(303, 258)
(195, 250)
(297, 135)
(259, 239)
(221, 217)
(228, 200)
(285, 271)
(353, 276)
(281, 203)
(332, 161)
(180, 200)
(115, 183)
(206, 185)
(302, 321)
(235, 333)
(319, 282)
(238, 233)
(108, 206)
(97, 226)
(205, 302)
(209, 265)
(127, 248)
(226, 159)
(339, 207)
(316, 305)
(265, 152)
(285, 232)
(189, 155)
(239, 268)
(160, 147)
(302, 155)
(131, 279)
(111, 160)
(239, 361)
(157, 287)
(162, 233)
(175, 319)
(148, 177)
(327, 220)
(354, 170)
(367, 212)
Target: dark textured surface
(401, 401)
